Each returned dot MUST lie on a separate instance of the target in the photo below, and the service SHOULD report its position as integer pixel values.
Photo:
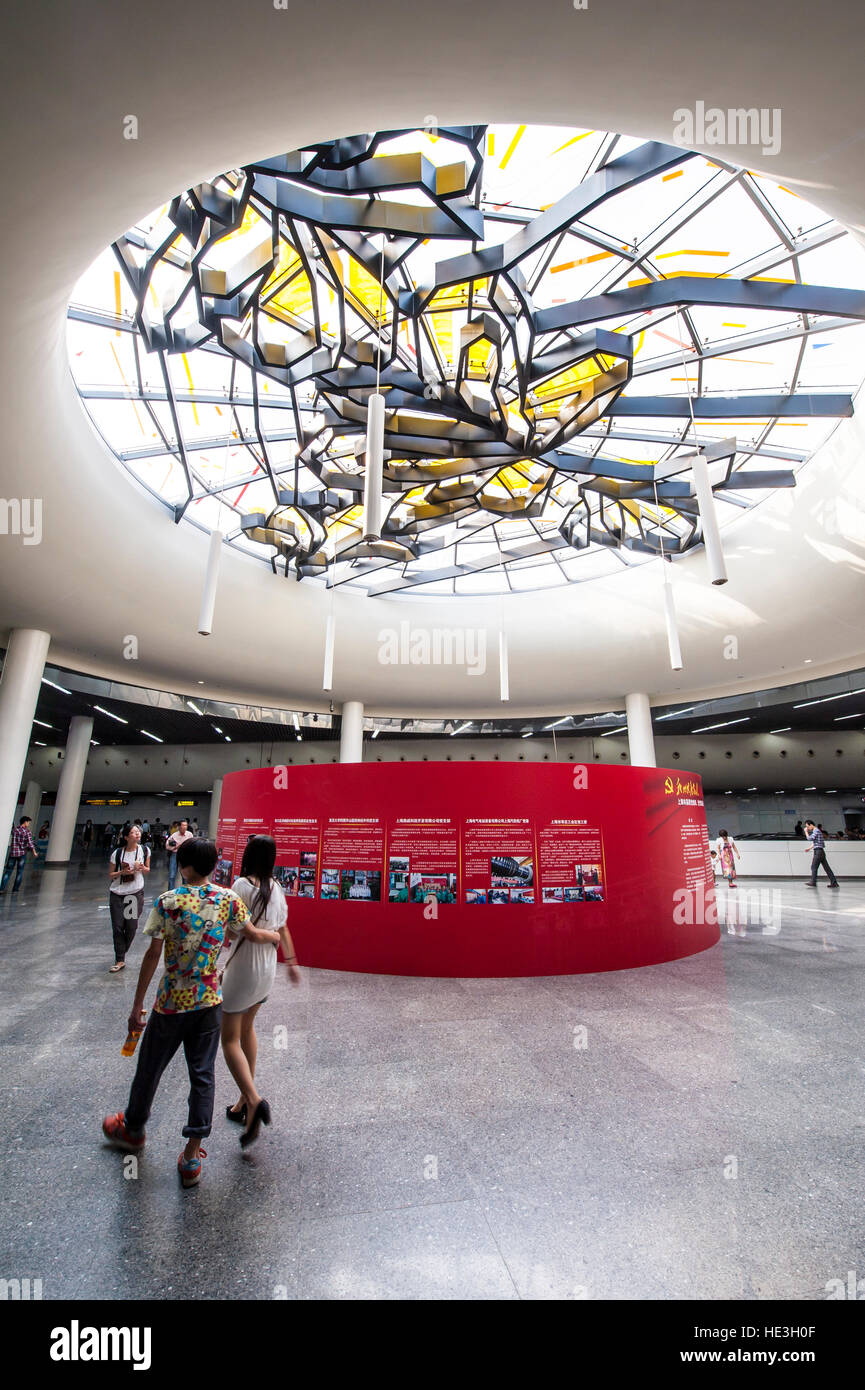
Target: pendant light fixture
(673, 644)
(703, 490)
(372, 488)
(211, 575)
(503, 666)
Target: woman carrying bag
(248, 978)
(126, 869)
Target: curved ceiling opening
(558, 320)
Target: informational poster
(591, 868)
(352, 859)
(499, 857)
(570, 861)
(226, 847)
(423, 858)
(297, 850)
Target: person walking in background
(818, 854)
(192, 923)
(248, 978)
(108, 836)
(727, 849)
(126, 870)
(87, 839)
(21, 841)
(177, 838)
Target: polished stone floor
(692, 1130)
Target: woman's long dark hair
(259, 858)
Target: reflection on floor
(690, 1130)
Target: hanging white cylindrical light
(372, 488)
(503, 666)
(672, 626)
(327, 682)
(711, 533)
(211, 575)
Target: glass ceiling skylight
(558, 319)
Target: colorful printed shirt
(22, 840)
(193, 922)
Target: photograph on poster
(552, 895)
(499, 896)
(309, 859)
(398, 887)
(522, 895)
(574, 895)
(588, 874)
(441, 886)
(360, 885)
(329, 891)
(287, 877)
(330, 876)
(398, 863)
(222, 873)
(508, 872)
(306, 890)
(475, 895)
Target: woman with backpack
(126, 869)
(249, 976)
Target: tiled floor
(451, 1138)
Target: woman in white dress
(249, 976)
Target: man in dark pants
(193, 923)
(21, 841)
(818, 855)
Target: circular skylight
(558, 321)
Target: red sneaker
(115, 1131)
(190, 1169)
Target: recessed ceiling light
(39, 743)
(839, 717)
(614, 731)
(723, 725)
(147, 734)
(110, 715)
(462, 727)
(785, 730)
(193, 706)
(54, 686)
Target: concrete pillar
(641, 740)
(32, 802)
(351, 737)
(215, 800)
(19, 692)
(69, 791)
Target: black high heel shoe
(238, 1116)
(259, 1118)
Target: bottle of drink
(131, 1043)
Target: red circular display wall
(481, 869)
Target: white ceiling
(213, 85)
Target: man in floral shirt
(193, 923)
(21, 841)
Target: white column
(69, 791)
(351, 737)
(641, 740)
(19, 692)
(32, 802)
(215, 800)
